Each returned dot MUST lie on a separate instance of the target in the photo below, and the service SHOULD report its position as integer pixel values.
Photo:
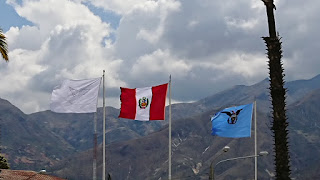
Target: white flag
(75, 96)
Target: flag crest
(234, 122)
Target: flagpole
(255, 142)
(104, 133)
(170, 128)
(95, 140)
(94, 174)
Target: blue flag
(233, 122)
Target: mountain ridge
(53, 137)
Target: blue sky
(207, 46)
(11, 17)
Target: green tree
(278, 97)
(3, 163)
(3, 46)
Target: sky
(206, 46)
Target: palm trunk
(278, 94)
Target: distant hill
(62, 143)
(194, 149)
(26, 144)
(304, 119)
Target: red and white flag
(143, 104)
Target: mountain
(25, 138)
(304, 121)
(27, 144)
(62, 143)
(194, 148)
(299, 88)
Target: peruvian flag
(143, 104)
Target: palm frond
(3, 46)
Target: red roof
(7, 174)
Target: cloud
(207, 46)
(126, 7)
(159, 63)
(230, 27)
(41, 56)
(141, 29)
(24, 38)
(297, 26)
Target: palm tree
(3, 46)
(278, 97)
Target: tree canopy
(3, 163)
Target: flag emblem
(233, 116)
(143, 102)
(76, 94)
(233, 122)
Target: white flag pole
(170, 128)
(94, 174)
(255, 142)
(95, 142)
(104, 132)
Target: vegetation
(3, 46)
(278, 96)
(3, 163)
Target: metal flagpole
(95, 143)
(104, 133)
(94, 174)
(170, 128)
(255, 142)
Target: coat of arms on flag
(143, 102)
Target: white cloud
(160, 11)
(15, 75)
(25, 38)
(203, 44)
(252, 67)
(159, 62)
(126, 7)
(193, 23)
(140, 30)
(241, 23)
(63, 44)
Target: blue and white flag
(233, 122)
